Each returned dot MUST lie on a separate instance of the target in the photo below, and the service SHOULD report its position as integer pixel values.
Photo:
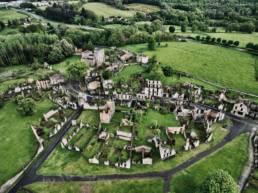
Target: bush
(219, 182)
(172, 29)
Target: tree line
(24, 49)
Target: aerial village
(121, 143)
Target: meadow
(10, 14)
(105, 10)
(132, 186)
(189, 180)
(18, 145)
(222, 66)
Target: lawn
(62, 66)
(139, 7)
(90, 116)
(231, 158)
(127, 73)
(18, 144)
(10, 14)
(105, 10)
(226, 67)
(128, 186)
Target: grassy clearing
(10, 14)
(132, 186)
(250, 190)
(231, 158)
(62, 66)
(139, 7)
(127, 73)
(223, 66)
(18, 144)
(105, 10)
(90, 116)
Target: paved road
(30, 173)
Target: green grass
(105, 10)
(250, 190)
(90, 116)
(128, 186)
(127, 73)
(62, 66)
(222, 66)
(231, 158)
(139, 7)
(153, 117)
(10, 14)
(18, 144)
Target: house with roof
(50, 114)
(56, 79)
(108, 112)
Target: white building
(240, 109)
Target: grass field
(18, 144)
(139, 7)
(127, 73)
(128, 186)
(231, 158)
(10, 14)
(222, 66)
(105, 10)
(62, 66)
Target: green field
(127, 73)
(226, 67)
(10, 14)
(105, 10)
(231, 158)
(128, 186)
(62, 66)
(18, 145)
(139, 7)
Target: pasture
(105, 10)
(223, 66)
(18, 144)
